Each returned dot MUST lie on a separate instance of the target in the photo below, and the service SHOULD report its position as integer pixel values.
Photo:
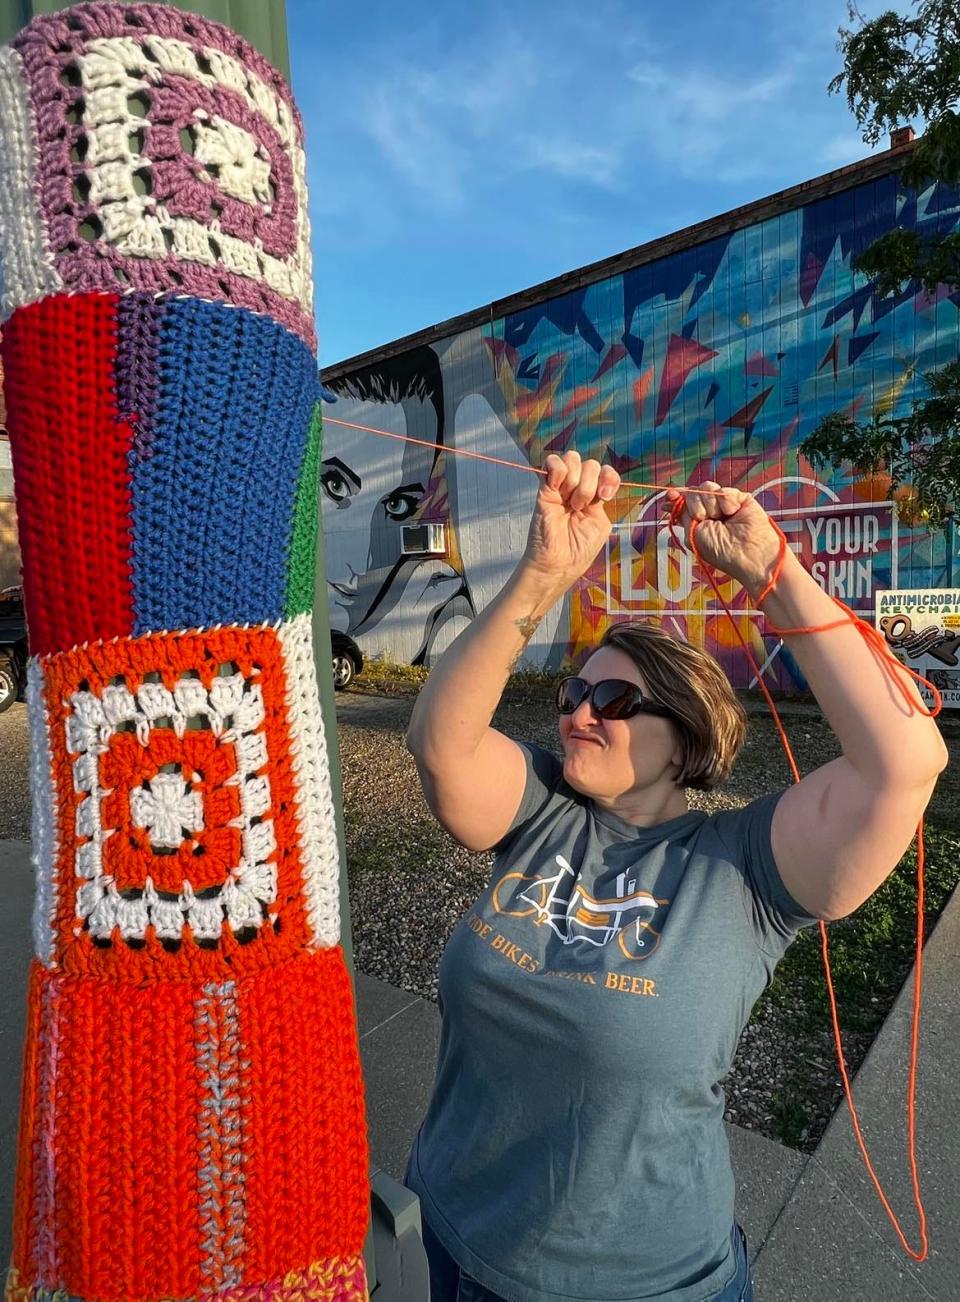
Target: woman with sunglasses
(593, 997)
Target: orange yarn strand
(497, 461)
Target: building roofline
(748, 214)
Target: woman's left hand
(734, 533)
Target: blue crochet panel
(220, 399)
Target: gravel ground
(397, 852)
(14, 770)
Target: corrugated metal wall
(712, 363)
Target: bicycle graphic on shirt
(580, 917)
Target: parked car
(347, 659)
(13, 648)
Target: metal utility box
(395, 1258)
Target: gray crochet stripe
(48, 1059)
(43, 818)
(220, 1134)
(52, 1295)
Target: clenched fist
(570, 522)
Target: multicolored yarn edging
(322, 1282)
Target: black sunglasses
(611, 698)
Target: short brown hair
(710, 720)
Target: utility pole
(264, 24)
(394, 1257)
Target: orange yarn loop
(895, 669)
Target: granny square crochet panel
(192, 1121)
(156, 151)
(194, 813)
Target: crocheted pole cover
(192, 1120)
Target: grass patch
(415, 845)
(871, 955)
(382, 677)
(791, 1120)
(529, 682)
(871, 952)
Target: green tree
(900, 68)
(921, 449)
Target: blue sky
(460, 153)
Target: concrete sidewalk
(816, 1228)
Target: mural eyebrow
(407, 488)
(344, 470)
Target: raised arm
(472, 775)
(840, 831)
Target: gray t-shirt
(591, 1001)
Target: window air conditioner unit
(423, 539)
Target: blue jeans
(451, 1283)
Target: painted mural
(713, 363)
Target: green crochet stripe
(303, 542)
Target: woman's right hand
(570, 523)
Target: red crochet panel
(182, 1139)
(70, 451)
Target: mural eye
(400, 506)
(335, 486)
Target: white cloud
(694, 118)
(433, 124)
(415, 145)
(441, 128)
(702, 95)
(477, 84)
(579, 162)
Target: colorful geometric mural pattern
(713, 363)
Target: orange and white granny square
(183, 806)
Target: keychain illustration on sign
(934, 640)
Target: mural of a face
(405, 607)
(370, 486)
